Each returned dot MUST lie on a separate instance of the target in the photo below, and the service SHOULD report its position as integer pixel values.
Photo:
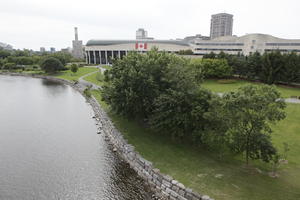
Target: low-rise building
(103, 51)
(245, 45)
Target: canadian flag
(140, 46)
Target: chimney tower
(76, 34)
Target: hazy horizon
(34, 24)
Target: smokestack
(76, 34)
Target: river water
(49, 148)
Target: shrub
(74, 68)
(211, 68)
(51, 65)
(87, 91)
(9, 66)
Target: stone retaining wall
(164, 186)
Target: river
(49, 148)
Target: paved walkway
(87, 83)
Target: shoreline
(163, 186)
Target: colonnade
(103, 57)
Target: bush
(87, 91)
(211, 68)
(135, 81)
(9, 66)
(74, 68)
(51, 65)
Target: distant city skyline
(33, 24)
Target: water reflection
(49, 148)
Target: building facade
(42, 49)
(245, 45)
(221, 25)
(103, 51)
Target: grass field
(216, 86)
(68, 75)
(226, 179)
(96, 78)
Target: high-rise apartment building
(221, 25)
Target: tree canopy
(51, 65)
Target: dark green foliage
(137, 80)
(51, 65)
(162, 90)
(180, 107)
(247, 114)
(211, 68)
(271, 67)
(186, 52)
(211, 55)
(9, 66)
(290, 73)
(4, 54)
(74, 68)
(254, 65)
(87, 91)
(272, 63)
(64, 58)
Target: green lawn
(106, 67)
(68, 75)
(96, 78)
(216, 86)
(226, 179)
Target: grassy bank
(96, 78)
(223, 86)
(226, 179)
(68, 75)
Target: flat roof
(116, 42)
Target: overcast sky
(50, 23)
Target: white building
(245, 45)
(102, 51)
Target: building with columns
(103, 51)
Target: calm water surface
(49, 148)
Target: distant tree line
(29, 60)
(164, 91)
(270, 67)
